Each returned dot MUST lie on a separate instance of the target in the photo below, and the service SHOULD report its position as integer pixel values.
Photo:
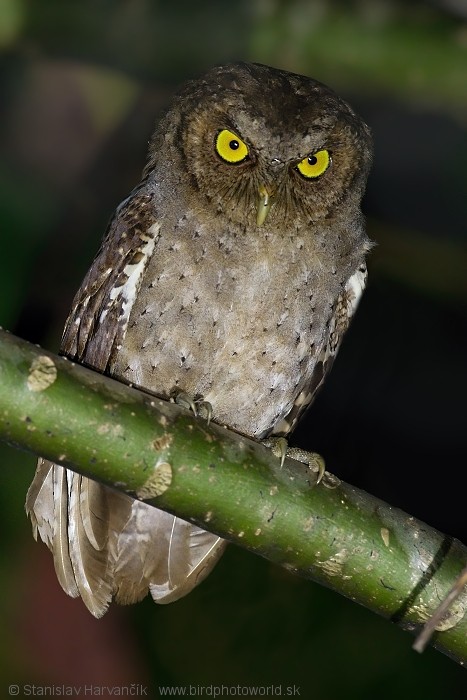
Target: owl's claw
(205, 410)
(280, 448)
(197, 406)
(187, 401)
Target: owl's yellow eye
(230, 147)
(314, 165)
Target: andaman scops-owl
(229, 274)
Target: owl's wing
(343, 310)
(99, 315)
(104, 543)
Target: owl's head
(264, 145)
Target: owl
(228, 277)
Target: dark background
(81, 85)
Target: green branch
(335, 534)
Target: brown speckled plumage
(189, 293)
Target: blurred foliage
(82, 82)
(406, 50)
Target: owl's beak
(264, 204)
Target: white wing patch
(354, 289)
(133, 271)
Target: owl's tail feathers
(160, 552)
(202, 551)
(69, 513)
(106, 544)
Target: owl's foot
(280, 448)
(197, 406)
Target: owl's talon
(198, 407)
(279, 447)
(205, 410)
(321, 468)
(187, 401)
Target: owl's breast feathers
(248, 320)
